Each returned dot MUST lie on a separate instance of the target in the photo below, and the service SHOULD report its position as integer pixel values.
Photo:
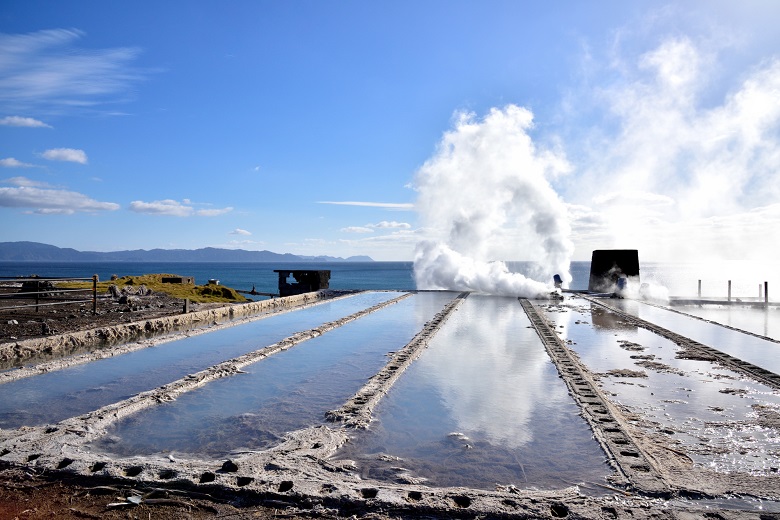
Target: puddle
(761, 321)
(285, 392)
(482, 405)
(760, 352)
(54, 396)
(722, 421)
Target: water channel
(53, 396)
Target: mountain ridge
(38, 252)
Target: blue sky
(305, 126)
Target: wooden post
(729, 290)
(699, 288)
(94, 293)
(37, 294)
(766, 293)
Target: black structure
(607, 266)
(305, 281)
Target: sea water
(678, 279)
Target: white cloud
(10, 162)
(680, 168)
(65, 154)
(23, 121)
(239, 231)
(44, 70)
(213, 212)
(357, 229)
(392, 225)
(174, 208)
(386, 205)
(369, 228)
(49, 201)
(633, 197)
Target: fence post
(729, 290)
(699, 288)
(37, 294)
(766, 293)
(94, 293)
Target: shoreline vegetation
(132, 285)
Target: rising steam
(485, 196)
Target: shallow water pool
(53, 396)
(285, 392)
(712, 413)
(482, 405)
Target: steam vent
(409, 404)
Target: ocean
(680, 279)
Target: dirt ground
(46, 320)
(25, 495)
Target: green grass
(196, 293)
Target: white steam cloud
(484, 197)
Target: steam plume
(484, 196)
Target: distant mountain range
(37, 252)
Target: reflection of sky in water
(765, 322)
(51, 397)
(483, 404)
(765, 354)
(693, 402)
(287, 391)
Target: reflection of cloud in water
(489, 370)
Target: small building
(186, 280)
(609, 266)
(298, 281)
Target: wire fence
(35, 292)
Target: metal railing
(46, 293)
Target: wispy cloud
(65, 154)
(51, 201)
(387, 205)
(369, 228)
(28, 122)
(239, 231)
(24, 181)
(357, 229)
(392, 225)
(175, 208)
(10, 162)
(44, 70)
